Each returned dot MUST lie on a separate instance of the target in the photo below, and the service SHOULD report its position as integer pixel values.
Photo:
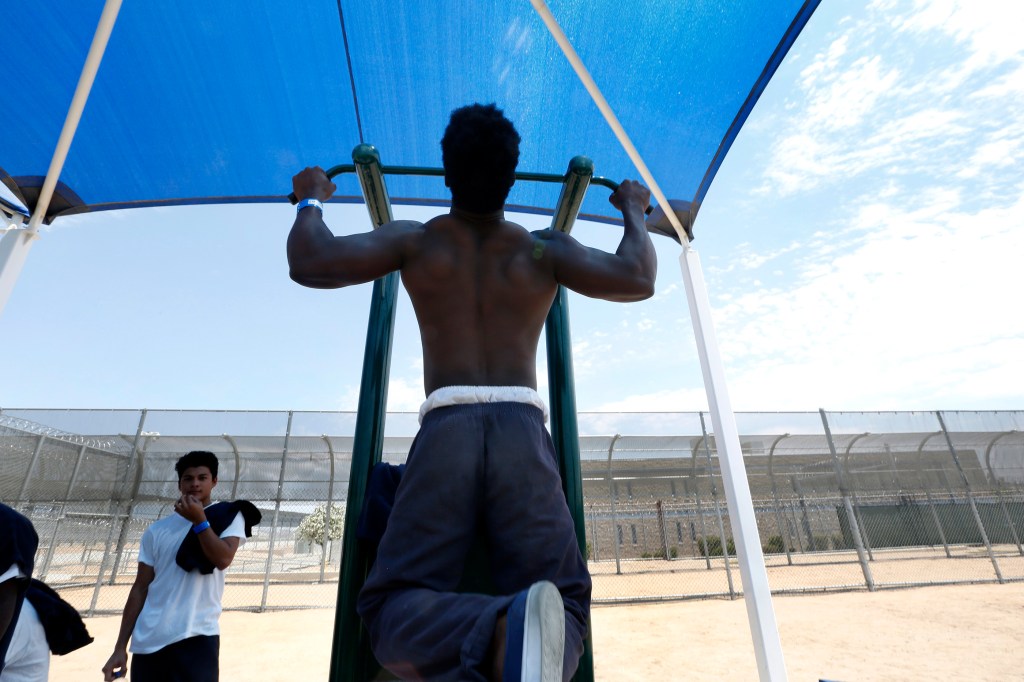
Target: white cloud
(824, 64)
(853, 93)
(1001, 150)
(874, 102)
(918, 311)
(1007, 85)
(405, 394)
(989, 28)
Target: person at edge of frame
(45, 623)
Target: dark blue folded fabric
(65, 631)
(190, 554)
(380, 498)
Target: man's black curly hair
(480, 151)
(197, 458)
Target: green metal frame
(351, 656)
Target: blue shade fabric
(204, 102)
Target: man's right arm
(318, 259)
(626, 275)
(118, 661)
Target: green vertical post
(351, 657)
(566, 436)
(562, 383)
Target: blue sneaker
(535, 642)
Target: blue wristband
(200, 527)
(309, 202)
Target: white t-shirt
(28, 657)
(179, 604)
(12, 573)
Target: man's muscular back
(481, 285)
(481, 288)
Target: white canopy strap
(757, 595)
(16, 242)
(613, 122)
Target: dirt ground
(964, 632)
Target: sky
(862, 246)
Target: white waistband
(468, 395)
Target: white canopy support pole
(757, 595)
(14, 248)
(771, 665)
(16, 243)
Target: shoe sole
(544, 634)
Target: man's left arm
(219, 550)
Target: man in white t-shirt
(172, 614)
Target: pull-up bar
(343, 168)
(365, 155)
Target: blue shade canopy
(215, 102)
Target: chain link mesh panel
(843, 500)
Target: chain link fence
(843, 500)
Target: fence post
(277, 511)
(783, 530)
(970, 497)
(138, 460)
(805, 518)
(60, 514)
(327, 511)
(103, 562)
(853, 494)
(928, 494)
(700, 508)
(611, 494)
(31, 467)
(796, 520)
(718, 509)
(238, 464)
(999, 490)
(661, 528)
(122, 537)
(850, 515)
(115, 507)
(593, 534)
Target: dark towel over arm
(190, 554)
(65, 631)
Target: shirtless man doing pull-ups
(483, 461)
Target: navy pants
(195, 659)
(483, 468)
